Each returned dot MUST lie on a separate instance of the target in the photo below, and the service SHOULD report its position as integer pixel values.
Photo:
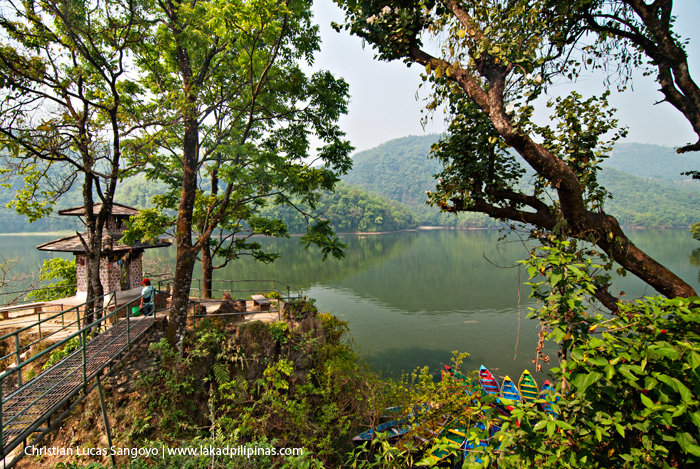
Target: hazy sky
(384, 104)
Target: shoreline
(363, 233)
(38, 233)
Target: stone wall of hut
(136, 270)
(81, 265)
(110, 273)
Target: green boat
(456, 433)
(528, 387)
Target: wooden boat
(395, 428)
(466, 384)
(488, 382)
(470, 446)
(455, 433)
(547, 395)
(510, 391)
(528, 387)
(429, 428)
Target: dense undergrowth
(627, 394)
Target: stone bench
(261, 301)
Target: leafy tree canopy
(492, 60)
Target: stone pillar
(81, 275)
(136, 270)
(110, 275)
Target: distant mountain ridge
(401, 170)
(644, 180)
(652, 161)
(408, 156)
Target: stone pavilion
(121, 265)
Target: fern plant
(221, 373)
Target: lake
(413, 297)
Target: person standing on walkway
(148, 295)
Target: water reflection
(695, 260)
(301, 267)
(411, 298)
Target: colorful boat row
(526, 391)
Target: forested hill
(398, 169)
(401, 170)
(645, 181)
(349, 209)
(652, 161)
(647, 202)
(386, 188)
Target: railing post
(18, 361)
(128, 328)
(2, 435)
(84, 345)
(38, 324)
(77, 315)
(105, 419)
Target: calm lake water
(413, 297)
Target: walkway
(37, 406)
(30, 406)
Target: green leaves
(665, 350)
(64, 272)
(583, 381)
(631, 382)
(147, 226)
(688, 443)
(235, 74)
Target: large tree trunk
(184, 266)
(207, 271)
(95, 243)
(207, 261)
(93, 252)
(186, 252)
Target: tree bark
(579, 222)
(659, 43)
(186, 252)
(94, 249)
(207, 271)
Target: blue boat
(547, 395)
(470, 446)
(510, 391)
(394, 428)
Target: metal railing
(265, 286)
(24, 293)
(25, 409)
(18, 352)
